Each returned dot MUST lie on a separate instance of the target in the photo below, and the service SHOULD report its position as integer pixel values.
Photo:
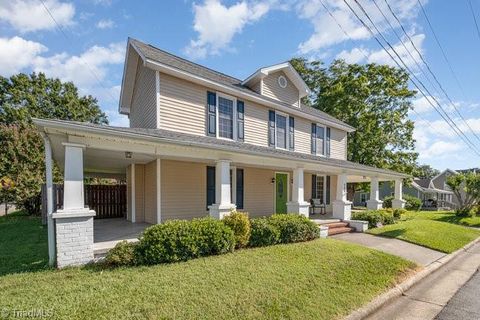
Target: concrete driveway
(418, 254)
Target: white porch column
(341, 206)
(374, 203)
(398, 202)
(49, 187)
(74, 223)
(298, 204)
(222, 205)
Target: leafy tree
(23, 97)
(375, 99)
(425, 171)
(466, 188)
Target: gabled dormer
(281, 82)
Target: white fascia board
(218, 86)
(75, 128)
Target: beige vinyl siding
(338, 144)
(182, 105)
(256, 124)
(129, 193)
(143, 113)
(150, 191)
(139, 193)
(258, 191)
(184, 190)
(303, 136)
(257, 87)
(272, 89)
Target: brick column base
(74, 237)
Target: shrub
(397, 213)
(294, 227)
(263, 233)
(240, 225)
(180, 240)
(387, 202)
(375, 218)
(412, 203)
(123, 254)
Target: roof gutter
(42, 123)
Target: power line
(474, 17)
(424, 62)
(452, 123)
(437, 41)
(82, 60)
(413, 74)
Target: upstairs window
(281, 132)
(225, 118)
(320, 140)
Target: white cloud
(83, 69)
(17, 53)
(355, 55)
(105, 24)
(30, 15)
(422, 104)
(326, 31)
(405, 52)
(217, 24)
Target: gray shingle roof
(152, 53)
(214, 143)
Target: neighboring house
(204, 143)
(434, 192)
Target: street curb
(400, 289)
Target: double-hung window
(225, 117)
(320, 140)
(281, 131)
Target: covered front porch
(172, 178)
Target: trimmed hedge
(375, 218)
(240, 225)
(263, 233)
(123, 254)
(282, 228)
(412, 203)
(180, 240)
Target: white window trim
(287, 130)
(324, 140)
(234, 115)
(279, 80)
(324, 187)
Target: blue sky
(237, 37)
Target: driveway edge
(399, 289)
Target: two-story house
(204, 143)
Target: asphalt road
(464, 304)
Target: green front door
(281, 192)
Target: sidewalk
(418, 254)
(427, 299)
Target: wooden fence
(108, 201)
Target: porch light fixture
(128, 155)
(273, 180)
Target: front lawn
(441, 236)
(321, 279)
(443, 216)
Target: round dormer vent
(282, 82)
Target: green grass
(23, 244)
(443, 216)
(321, 279)
(442, 236)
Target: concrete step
(334, 225)
(340, 230)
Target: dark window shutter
(327, 193)
(314, 186)
(211, 113)
(240, 120)
(210, 186)
(271, 128)
(239, 202)
(327, 152)
(291, 133)
(314, 138)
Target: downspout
(49, 187)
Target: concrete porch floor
(323, 219)
(108, 232)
